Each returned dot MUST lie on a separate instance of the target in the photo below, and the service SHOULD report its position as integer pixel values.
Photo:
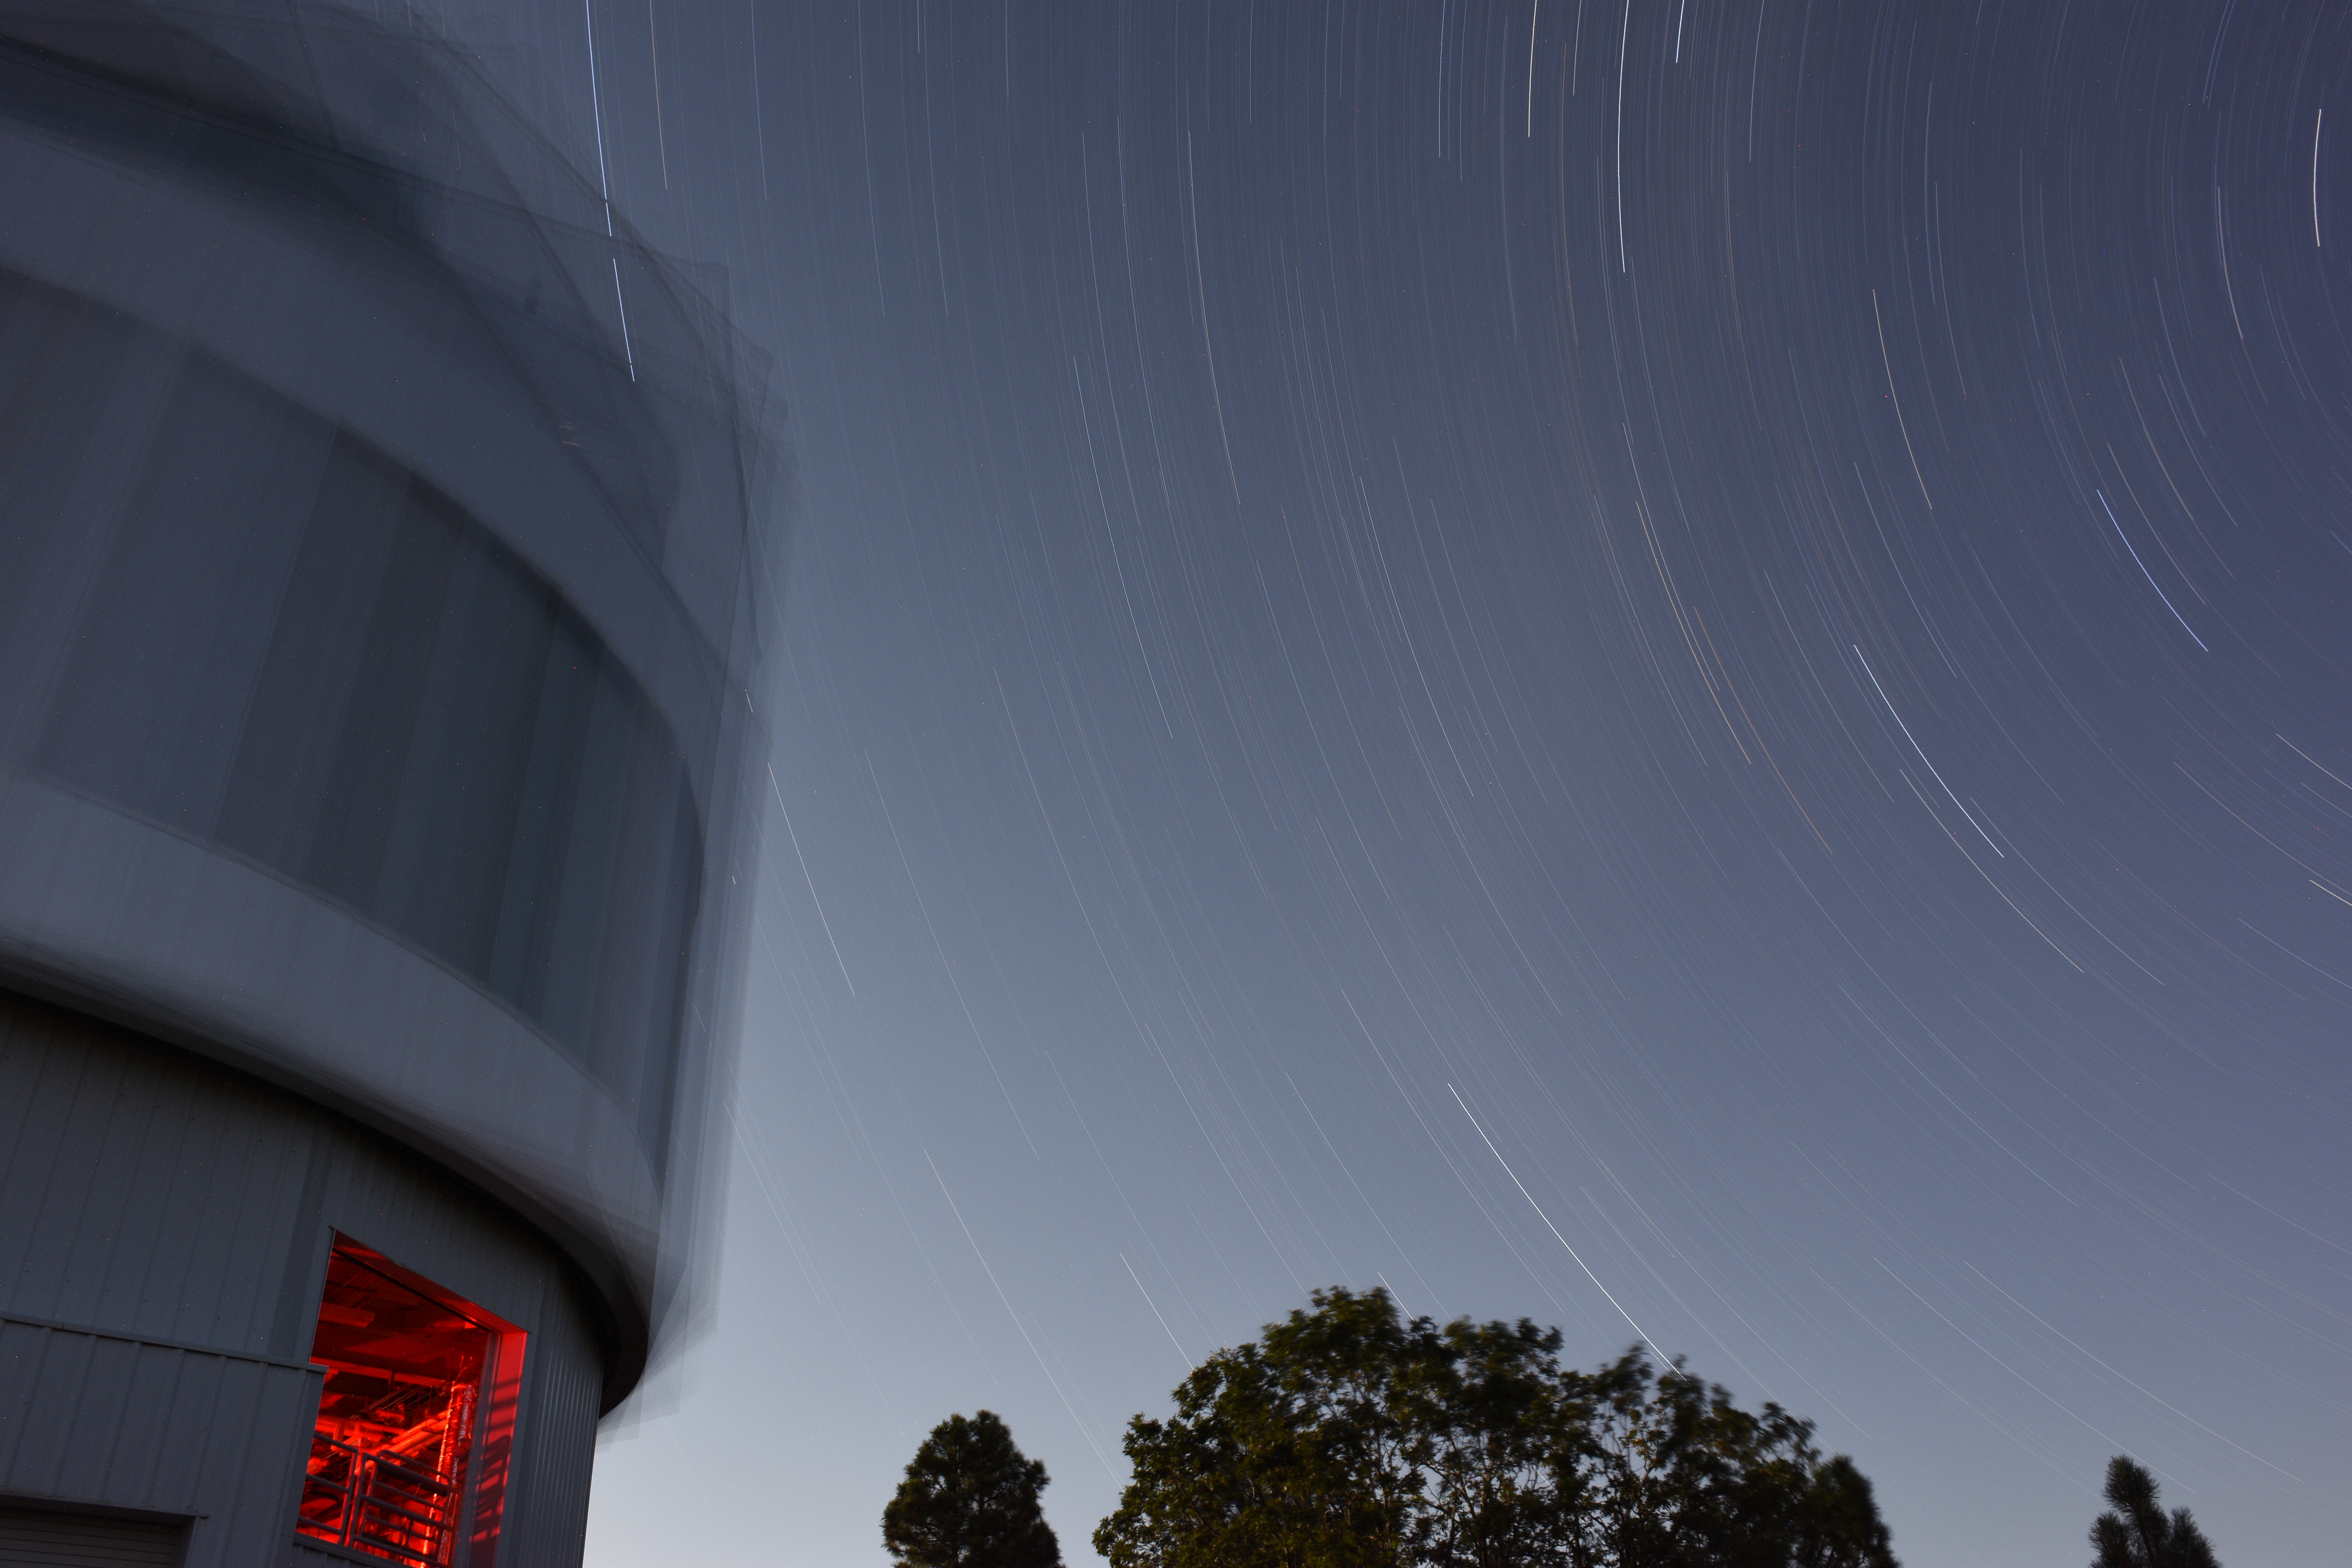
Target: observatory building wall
(164, 1231)
(381, 601)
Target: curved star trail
(1632, 560)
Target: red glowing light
(409, 1456)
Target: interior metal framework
(415, 1417)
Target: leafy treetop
(1350, 1437)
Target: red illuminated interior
(409, 1456)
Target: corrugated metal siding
(162, 1222)
(160, 1185)
(78, 1540)
(97, 1418)
(562, 1393)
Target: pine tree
(970, 1501)
(2140, 1535)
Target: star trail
(1678, 663)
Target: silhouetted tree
(1301, 1451)
(1349, 1437)
(1679, 1476)
(970, 1501)
(2140, 1535)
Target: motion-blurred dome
(383, 564)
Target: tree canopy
(970, 1500)
(1348, 1436)
(2138, 1533)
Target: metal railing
(374, 1503)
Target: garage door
(29, 1536)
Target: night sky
(1680, 667)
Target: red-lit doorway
(408, 1461)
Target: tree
(1302, 1452)
(2138, 1534)
(970, 1501)
(1678, 1475)
(1349, 1437)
